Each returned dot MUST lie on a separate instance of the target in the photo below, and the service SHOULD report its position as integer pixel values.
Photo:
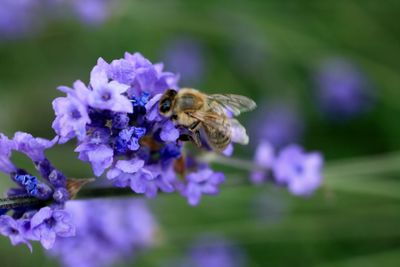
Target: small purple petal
(6, 146)
(32, 147)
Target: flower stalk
(338, 168)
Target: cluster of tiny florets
(120, 132)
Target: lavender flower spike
(47, 224)
(6, 145)
(300, 171)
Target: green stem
(19, 201)
(359, 167)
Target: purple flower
(301, 172)
(120, 121)
(138, 72)
(107, 231)
(123, 170)
(71, 112)
(169, 133)
(204, 181)
(152, 109)
(343, 91)
(6, 145)
(128, 139)
(47, 224)
(264, 158)
(16, 18)
(92, 12)
(100, 156)
(214, 251)
(15, 229)
(142, 179)
(32, 147)
(108, 95)
(186, 57)
(279, 124)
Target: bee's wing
(211, 119)
(233, 103)
(236, 131)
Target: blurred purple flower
(343, 91)
(264, 157)
(301, 172)
(279, 124)
(204, 181)
(108, 231)
(17, 18)
(47, 224)
(186, 57)
(93, 11)
(214, 251)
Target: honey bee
(208, 116)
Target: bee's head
(166, 102)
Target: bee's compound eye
(165, 106)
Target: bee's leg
(194, 126)
(196, 138)
(185, 138)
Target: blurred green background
(268, 50)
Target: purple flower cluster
(107, 232)
(343, 91)
(301, 172)
(120, 132)
(34, 223)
